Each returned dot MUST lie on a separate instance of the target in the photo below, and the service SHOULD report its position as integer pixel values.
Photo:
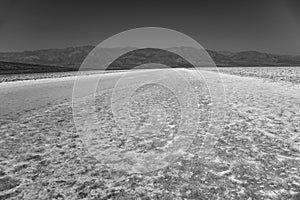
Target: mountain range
(72, 57)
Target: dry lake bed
(254, 155)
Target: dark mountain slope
(72, 58)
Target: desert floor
(53, 149)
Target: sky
(271, 26)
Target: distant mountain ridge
(72, 57)
(67, 57)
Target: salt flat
(256, 155)
(23, 96)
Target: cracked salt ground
(148, 142)
(282, 74)
(42, 156)
(264, 118)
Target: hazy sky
(233, 25)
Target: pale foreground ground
(256, 156)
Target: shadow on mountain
(138, 57)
